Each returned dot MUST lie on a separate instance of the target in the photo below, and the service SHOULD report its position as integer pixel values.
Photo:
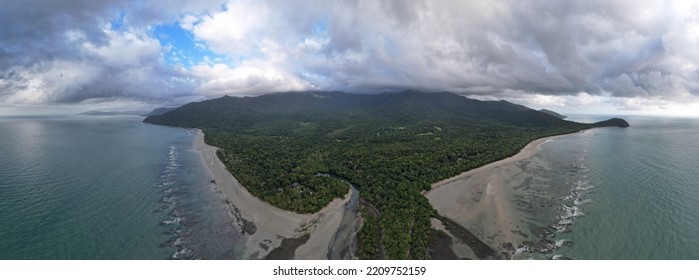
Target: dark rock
(507, 246)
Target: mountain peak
(552, 113)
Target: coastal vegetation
(392, 146)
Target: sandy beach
(477, 200)
(481, 201)
(271, 224)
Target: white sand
(273, 223)
(478, 200)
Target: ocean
(108, 187)
(618, 193)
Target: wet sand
(460, 249)
(266, 226)
(483, 201)
(321, 238)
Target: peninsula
(393, 147)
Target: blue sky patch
(182, 49)
(118, 23)
(320, 27)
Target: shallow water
(342, 245)
(86, 187)
(620, 193)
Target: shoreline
(472, 199)
(480, 201)
(528, 151)
(266, 226)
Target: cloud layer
(70, 52)
(542, 52)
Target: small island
(391, 147)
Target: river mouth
(343, 244)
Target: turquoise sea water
(628, 193)
(86, 187)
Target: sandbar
(481, 201)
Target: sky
(603, 57)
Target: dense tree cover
(391, 146)
(369, 236)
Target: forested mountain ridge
(414, 105)
(409, 104)
(392, 146)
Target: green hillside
(392, 146)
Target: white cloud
(611, 54)
(128, 64)
(125, 49)
(249, 80)
(531, 47)
(234, 31)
